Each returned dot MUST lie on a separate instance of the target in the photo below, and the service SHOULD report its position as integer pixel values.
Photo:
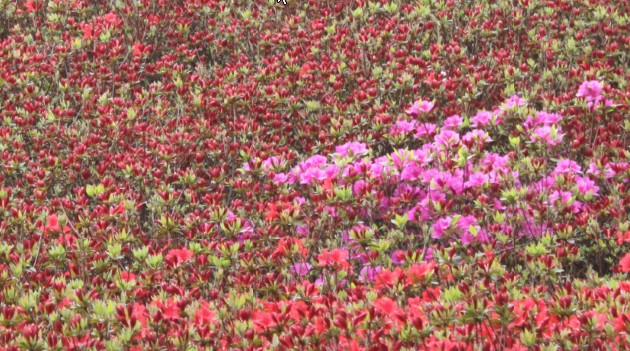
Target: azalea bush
(349, 175)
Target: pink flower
(514, 101)
(607, 171)
(424, 106)
(272, 162)
(482, 118)
(280, 178)
(452, 122)
(398, 257)
(302, 230)
(425, 129)
(495, 160)
(368, 274)
(359, 187)
(411, 172)
(476, 179)
(543, 118)
(428, 254)
(590, 90)
(447, 138)
(564, 196)
(301, 268)
(548, 135)
(351, 149)
(440, 226)
(567, 166)
(476, 134)
(402, 127)
(586, 185)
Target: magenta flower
(398, 257)
(280, 178)
(302, 230)
(607, 172)
(591, 90)
(272, 162)
(425, 129)
(301, 268)
(495, 161)
(482, 118)
(368, 274)
(428, 255)
(564, 196)
(424, 106)
(586, 185)
(476, 134)
(314, 161)
(440, 226)
(514, 101)
(359, 187)
(447, 138)
(548, 135)
(452, 122)
(567, 166)
(543, 118)
(476, 179)
(411, 172)
(402, 127)
(351, 149)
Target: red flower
(177, 257)
(623, 237)
(88, 31)
(386, 306)
(118, 209)
(30, 6)
(386, 278)
(417, 272)
(625, 263)
(622, 322)
(127, 276)
(204, 315)
(431, 294)
(334, 257)
(111, 18)
(137, 49)
(272, 213)
(52, 225)
(263, 321)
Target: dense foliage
(321, 175)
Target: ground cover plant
(320, 175)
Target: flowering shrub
(348, 175)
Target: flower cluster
(348, 175)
